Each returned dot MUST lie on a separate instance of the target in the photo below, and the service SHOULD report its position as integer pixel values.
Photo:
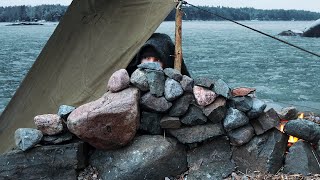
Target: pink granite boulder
(109, 122)
(203, 96)
(118, 81)
(49, 124)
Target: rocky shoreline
(160, 124)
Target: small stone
(187, 84)
(243, 104)
(181, 106)
(119, 80)
(156, 81)
(222, 88)
(303, 129)
(157, 104)
(173, 74)
(204, 82)
(139, 79)
(216, 111)
(194, 116)
(234, 119)
(172, 90)
(242, 91)
(168, 122)
(49, 124)
(257, 109)
(26, 138)
(289, 113)
(65, 110)
(203, 96)
(151, 66)
(150, 122)
(57, 139)
(200, 133)
(241, 136)
(266, 121)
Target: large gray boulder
(26, 138)
(109, 122)
(148, 157)
(234, 119)
(303, 129)
(211, 160)
(264, 153)
(45, 162)
(194, 134)
(266, 121)
(301, 159)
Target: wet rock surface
(109, 122)
(264, 153)
(211, 161)
(303, 129)
(302, 159)
(194, 134)
(150, 157)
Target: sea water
(242, 58)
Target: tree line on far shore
(55, 12)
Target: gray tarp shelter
(94, 39)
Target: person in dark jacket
(158, 48)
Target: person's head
(149, 54)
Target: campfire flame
(292, 139)
(301, 116)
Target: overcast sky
(312, 5)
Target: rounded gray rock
(303, 129)
(139, 79)
(234, 119)
(172, 90)
(26, 138)
(173, 74)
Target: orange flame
(301, 116)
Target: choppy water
(218, 49)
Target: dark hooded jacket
(164, 47)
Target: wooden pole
(178, 39)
